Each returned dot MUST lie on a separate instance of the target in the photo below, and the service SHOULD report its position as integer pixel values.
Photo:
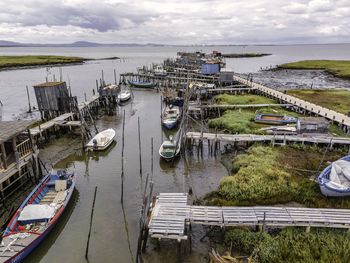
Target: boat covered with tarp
(142, 84)
(274, 119)
(335, 178)
(171, 116)
(37, 216)
(169, 149)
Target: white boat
(169, 149)
(101, 140)
(171, 116)
(335, 178)
(124, 95)
(159, 71)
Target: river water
(115, 227)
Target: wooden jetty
(302, 106)
(275, 139)
(171, 217)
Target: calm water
(115, 227)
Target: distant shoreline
(30, 61)
(245, 55)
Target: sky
(176, 21)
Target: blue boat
(171, 116)
(335, 178)
(142, 84)
(274, 119)
(37, 216)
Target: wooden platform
(317, 139)
(170, 215)
(310, 107)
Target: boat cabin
(16, 153)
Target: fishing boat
(124, 95)
(101, 140)
(142, 84)
(159, 71)
(169, 149)
(37, 216)
(274, 119)
(171, 116)
(335, 178)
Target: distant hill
(4, 43)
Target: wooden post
(122, 175)
(30, 108)
(3, 155)
(115, 77)
(91, 217)
(140, 154)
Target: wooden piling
(91, 217)
(122, 174)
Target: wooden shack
(18, 157)
(312, 125)
(53, 99)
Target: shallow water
(114, 230)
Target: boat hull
(145, 85)
(36, 242)
(327, 188)
(100, 147)
(274, 119)
(169, 125)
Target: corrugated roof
(49, 84)
(9, 129)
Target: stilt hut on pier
(18, 157)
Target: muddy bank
(282, 79)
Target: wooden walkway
(316, 139)
(65, 119)
(234, 106)
(334, 116)
(171, 213)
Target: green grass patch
(338, 68)
(333, 99)
(267, 176)
(242, 120)
(25, 61)
(292, 245)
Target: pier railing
(24, 148)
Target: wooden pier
(275, 139)
(339, 118)
(171, 214)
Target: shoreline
(79, 61)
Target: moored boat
(101, 140)
(171, 116)
(124, 95)
(37, 216)
(142, 84)
(274, 119)
(169, 149)
(334, 180)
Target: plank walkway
(65, 119)
(171, 213)
(317, 139)
(311, 107)
(234, 106)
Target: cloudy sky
(176, 21)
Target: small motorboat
(124, 95)
(274, 119)
(335, 178)
(169, 149)
(160, 71)
(37, 216)
(142, 84)
(101, 140)
(171, 116)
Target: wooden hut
(18, 156)
(53, 99)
